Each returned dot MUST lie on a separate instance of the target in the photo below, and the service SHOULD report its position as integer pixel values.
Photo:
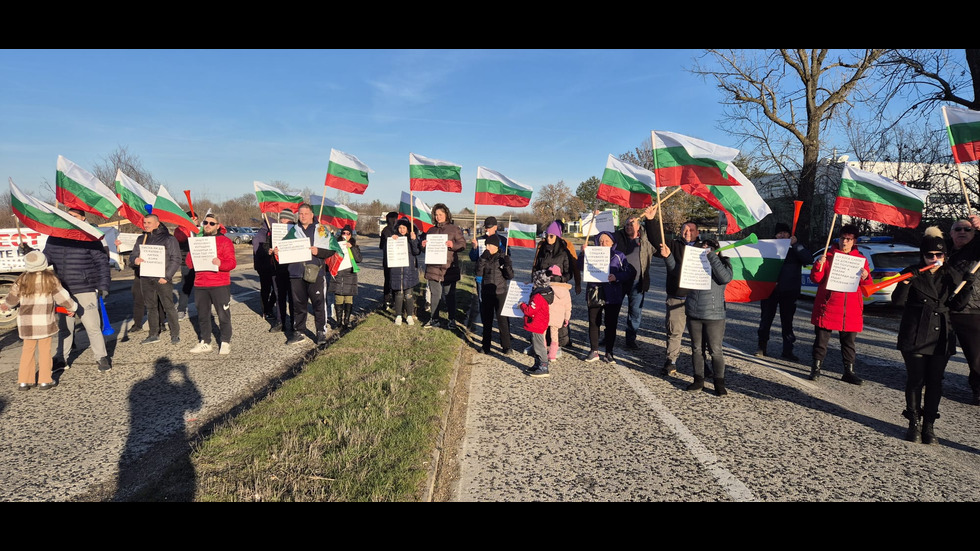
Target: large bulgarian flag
(493, 188)
(77, 188)
(755, 269)
(963, 127)
(874, 197)
(137, 201)
(333, 213)
(741, 204)
(168, 211)
(347, 173)
(49, 220)
(627, 185)
(684, 161)
(522, 235)
(420, 211)
(273, 200)
(426, 174)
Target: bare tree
(554, 202)
(129, 163)
(927, 78)
(776, 98)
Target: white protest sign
(695, 270)
(294, 250)
(603, 222)
(203, 252)
(845, 273)
(516, 294)
(111, 234)
(278, 231)
(436, 250)
(396, 252)
(596, 264)
(127, 241)
(154, 261)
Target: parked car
(885, 258)
(239, 235)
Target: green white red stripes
(333, 213)
(49, 220)
(421, 212)
(963, 128)
(493, 188)
(755, 269)
(875, 197)
(741, 204)
(684, 161)
(77, 188)
(137, 201)
(168, 211)
(522, 235)
(347, 173)
(274, 200)
(627, 185)
(426, 174)
(333, 261)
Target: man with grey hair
(158, 291)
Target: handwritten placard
(695, 270)
(845, 273)
(596, 264)
(278, 231)
(294, 250)
(603, 222)
(203, 252)
(154, 261)
(436, 250)
(396, 252)
(127, 241)
(516, 294)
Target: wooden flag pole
(323, 199)
(829, 235)
(966, 197)
(510, 220)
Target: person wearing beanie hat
(839, 311)
(37, 292)
(605, 299)
(287, 216)
(344, 284)
(784, 295)
(537, 312)
(925, 334)
(554, 250)
(494, 271)
(391, 219)
(404, 279)
(964, 256)
(478, 246)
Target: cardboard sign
(294, 250)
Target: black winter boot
(761, 351)
(698, 384)
(720, 387)
(928, 433)
(850, 376)
(788, 352)
(914, 434)
(815, 370)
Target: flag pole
(829, 235)
(474, 220)
(323, 199)
(966, 197)
(411, 206)
(660, 218)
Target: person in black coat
(925, 334)
(404, 279)
(784, 295)
(344, 284)
(494, 269)
(391, 219)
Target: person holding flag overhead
(636, 240)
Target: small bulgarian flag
(334, 261)
(522, 235)
(76, 188)
(137, 201)
(168, 211)
(493, 188)
(963, 127)
(426, 174)
(755, 269)
(742, 204)
(49, 220)
(273, 200)
(333, 213)
(627, 185)
(684, 161)
(421, 213)
(347, 173)
(874, 197)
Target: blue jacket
(82, 266)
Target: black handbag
(596, 296)
(310, 272)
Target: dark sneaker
(541, 372)
(151, 339)
(104, 364)
(609, 358)
(632, 345)
(790, 356)
(321, 338)
(432, 323)
(593, 356)
(759, 353)
(295, 338)
(669, 370)
(277, 328)
(58, 364)
(174, 340)
(136, 328)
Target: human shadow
(158, 448)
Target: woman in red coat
(837, 310)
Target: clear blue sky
(213, 121)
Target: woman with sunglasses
(964, 253)
(838, 310)
(925, 335)
(344, 284)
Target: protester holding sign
(158, 288)
(212, 284)
(841, 311)
(402, 279)
(676, 320)
(494, 270)
(442, 277)
(605, 299)
(344, 284)
(284, 291)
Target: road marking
(732, 485)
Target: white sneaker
(201, 347)
(398, 320)
(225, 348)
(409, 320)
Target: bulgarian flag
(742, 204)
(333, 213)
(684, 161)
(493, 188)
(421, 213)
(334, 261)
(874, 197)
(627, 185)
(755, 269)
(347, 173)
(137, 201)
(76, 188)
(167, 210)
(272, 199)
(963, 127)
(522, 235)
(426, 174)
(49, 220)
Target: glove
(24, 248)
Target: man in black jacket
(391, 219)
(158, 291)
(784, 295)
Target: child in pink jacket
(560, 310)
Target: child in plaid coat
(38, 292)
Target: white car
(886, 259)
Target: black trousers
(267, 290)
(821, 339)
(309, 293)
(220, 298)
(924, 371)
(609, 316)
(284, 298)
(785, 301)
(158, 295)
(491, 307)
(967, 328)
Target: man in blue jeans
(636, 240)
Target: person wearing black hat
(479, 246)
(344, 284)
(784, 295)
(925, 334)
(390, 221)
(495, 270)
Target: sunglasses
(847, 239)
(933, 255)
(210, 223)
(963, 228)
